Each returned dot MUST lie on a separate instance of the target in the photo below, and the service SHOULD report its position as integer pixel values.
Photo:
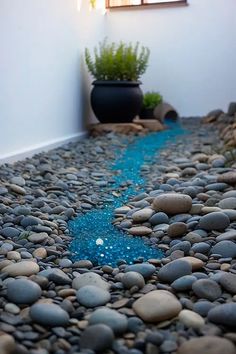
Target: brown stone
(122, 128)
(157, 306)
(152, 125)
(195, 262)
(207, 345)
(228, 177)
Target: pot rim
(116, 83)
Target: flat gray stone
(225, 249)
(97, 337)
(174, 270)
(50, 315)
(92, 296)
(113, 319)
(207, 289)
(224, 314)
(214, 221)
(23, 291)
(145, 269)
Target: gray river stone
(225, 249)
(228, 282)
(214, 221)
(224, 314)
(203, 307)
(131, 279)
(207, 289)
(49, 315)
(174, 270)
(113, 319)
(92, 296)
(90, 278)
(228, 203)
(56, 275)
(184, 283)
(97, 337)
(23, 291)
(228, 235)
(159, 218)
(145, 269)
(10, 232)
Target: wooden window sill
(151, 5)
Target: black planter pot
(116, 101)
(147, 113)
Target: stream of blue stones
(94, 236)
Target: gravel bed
(183, 303)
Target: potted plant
(150, 101)
(116, 96)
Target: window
(129, 3)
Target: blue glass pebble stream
(94, 236)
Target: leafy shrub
(151, 100)
(117, 61)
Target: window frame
(144, 4)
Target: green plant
(117, 61)
(151, 99)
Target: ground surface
(184, 302)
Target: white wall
(193, 51)
(41, 81)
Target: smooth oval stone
(196, 263)
(177, 229)
(56, 275)
(7, 344)
(207, 345)
(49, 315)
(156, 306)
(92, 296)
(228, 282)
(214, 221)
(10, 232)
(207, 289)
(26, 268)
(228, 177)
(38, 237)
(145, 269)
(203, 307)
(227, 236)
(130, 279)
(191, 319)
(225, 249)
(201, 247)
(23, 291)
(231, 213)
(142, 215)
(159, 218)
(216, 187)
(224, 314)
(174, 270)
(90, 278)
(182, 246)
(30, 221)
(98, 338)
(228, 203)
(184, 283)
(140, 230)
(113, 319)
(173, 203)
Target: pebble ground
(183, 303)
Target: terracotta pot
(165, 111)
